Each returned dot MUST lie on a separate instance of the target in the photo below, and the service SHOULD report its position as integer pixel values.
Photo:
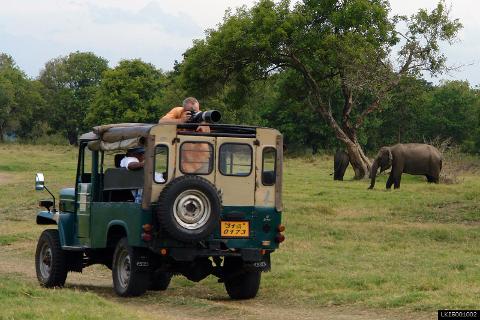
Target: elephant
(340, 164)
(411, 158)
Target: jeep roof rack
(126, 135)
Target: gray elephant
(340, 164)
(411, 158)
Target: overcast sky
(159, 31)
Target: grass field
(350, 252)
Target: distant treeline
(75, 92)
(328, 74)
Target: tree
(402, 116)
(338, 47)
(131, 92)
(70, 85)
(452, 112)
(289, 112)
(20, 101)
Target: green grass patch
(416, 248)
(20, 299)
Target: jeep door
(235, 174)
(84, 192)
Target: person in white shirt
(134, 160)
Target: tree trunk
(360, 162)
(2, 133)
(72, 138)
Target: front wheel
(50, 260)
(240, 283)
(128, 278)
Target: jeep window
(111, 159)
(86, 164)
(196, 158)
(235, 159)
(161, 164)
(268, 166)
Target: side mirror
(39, 182)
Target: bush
(53, 139)
(455, 164)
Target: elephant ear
(390, 157)
(385, 158)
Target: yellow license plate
(235, 229)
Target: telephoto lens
(211, 116)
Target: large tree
(131, 92)
(70, 86)
(351, 48)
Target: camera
(211, 116)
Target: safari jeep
(211, 205)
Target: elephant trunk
(373, 174)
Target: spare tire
(189, 208)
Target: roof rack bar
(216, 134)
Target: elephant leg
(390, 181)
(433, 178)
(342, 170)
(335, 175)
(396, 181)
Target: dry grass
(456, 165)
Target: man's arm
(135, 165)
(176, 115)
(131, 163)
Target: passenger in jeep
(134, 160)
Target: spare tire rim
(192, 209)
(45, 261)
(124, 268)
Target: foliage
(453, 112)
(21, 105)
(70, 84)
(131, 92)
(328, 74)
(339, 49)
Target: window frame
(264, 150)
(155, 162)
(210, 166)
(220, 155)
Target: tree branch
(374, 106)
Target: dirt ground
(18, 259)
(5, 178)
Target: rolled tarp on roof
(123, 133)
(103, 128)
(119, 136)
(99, 145)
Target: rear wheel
(128, 279)
(50, 260)
(240, 283)
(160, 280)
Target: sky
(159, 31)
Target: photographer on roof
(183, 114)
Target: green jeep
(210, 205)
